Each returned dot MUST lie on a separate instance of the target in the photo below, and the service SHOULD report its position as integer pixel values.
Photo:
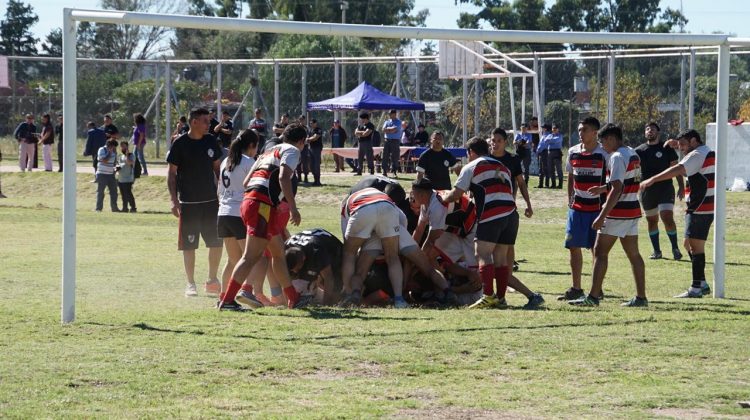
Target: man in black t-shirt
(363, 133)
(658, 199)
(213, 122)
(315, 140)
(421, 137)
(224, 130)
(110, 130)
(436, 162)
(315, 257)
(194, 161)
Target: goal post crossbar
(72, 16)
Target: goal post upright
(72, 16)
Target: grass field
(140, 349)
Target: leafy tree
(16, 37)
(52, 45)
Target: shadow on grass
(548, 273)
(335, 313)
(717, 308)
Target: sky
(704, 16)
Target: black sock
(672, 235)
(699, 266)
(654, 236)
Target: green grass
(140, 349)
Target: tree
(15, 30)
(131, 41)
(52, 45)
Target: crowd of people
(440, 243)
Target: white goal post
(72, 16)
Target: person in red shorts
(268, 206)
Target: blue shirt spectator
(394, 122)
(554, 140)
(95, 139)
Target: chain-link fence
(648, 86)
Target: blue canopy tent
(365, 96)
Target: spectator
(315, 140)
(194, 161)
(363, 133)
(223, 131)
(47, 139)
(542, 154)
(259, 125)
(554, 157)
(139, 140)
(95, 139)
(213, 122)
(304, 165)
(110, 130)
(25, 134)
(59, 131)
(421, 138)
(338, 140)
(407, 138)
(126, 178)
(523, 142)
(391, 150)
(278, 128)
(181, 128)
(105, 175)
(436, 162)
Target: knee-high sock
(502, 274)
(487, 274)
(654, 236)
(699, 270)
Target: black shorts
(501, 231)
(657, 194)
(697, 225)
(198, 219)
(231, 227)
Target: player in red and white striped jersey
(587, 165)
(698, 166)
(268, 206)
(490, 184)
(618, 218)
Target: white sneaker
(190, 290)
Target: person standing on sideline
(436, 163)
(542, 154)
(59, 132)
(304, 165)
(658, 200)
(391, 148)
(105, 175)
(139, 140)
(523, 143)
(315, 140)
(698, 165)
(261, 127)
(618, 218)
(110, 130)
(126, 178)
(278, 128)
(587, 165)
(25, 134)
(47, 139)
(363, 133)
(213, 122)
(554, 157)
(194, 160)
(223, 131)
(338, 140)
(95, 139)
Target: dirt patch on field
(362, 370)
(456, 413)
